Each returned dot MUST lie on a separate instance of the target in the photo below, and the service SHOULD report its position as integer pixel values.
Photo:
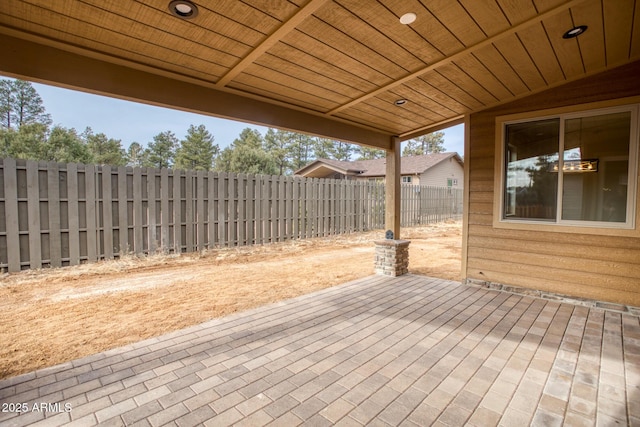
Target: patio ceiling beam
(288, 26)
(462, 53)
(32, 60)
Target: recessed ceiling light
(183, 9)
(574, 32)
(399, 102)
(408, 18)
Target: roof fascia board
(31, 60)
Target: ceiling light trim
(183, 9)
(575, 32)
(408, 18)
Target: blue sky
(133, 122)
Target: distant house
(439, 170)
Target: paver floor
(411, 351)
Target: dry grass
(52, 316)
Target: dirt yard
(52, 316)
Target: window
(572, 169)
(406, 179)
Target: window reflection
(531, 183)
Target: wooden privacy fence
(53, 215)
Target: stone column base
(392, 257)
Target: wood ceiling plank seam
(421, 98)
(268, 7)
(298, 72)
(517, 11)
(438, 79)
(142, 31)
(321, 67)
(210, 21)
(274, 77)
(97, 47)
(327, 54)
(284, 92)
(536, 41)
(409, 112)
(514, 52)
(346, 45)
(238, 15)
(371, 117)
(425, 92)
(566, 50)
(368, 121)
(467, 83)
(618, 23)
(347, 23)
(441, 96)
(245, 86)
(457, 21)
(286, 28)
(51, 15)
(483, 76)
(378, 16)
(591, 46)
(491, 58)
(427, 26)
(486, 15)
(483, 44)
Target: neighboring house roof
(411, 165)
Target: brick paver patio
(410, 350)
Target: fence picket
(200, 211)
(33, 212)
(138, 235)
(122, 220)
(53, 198)
(165, 244)
(11, 215)
(73, 215)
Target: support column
(392, 189)
(392, 254)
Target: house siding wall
(587, 265)
(437, 176)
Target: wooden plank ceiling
(348, 60)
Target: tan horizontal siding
(602, 267)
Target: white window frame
(407, 181)
(499, 218)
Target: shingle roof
(368, 168)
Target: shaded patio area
(410, 350)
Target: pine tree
(277, 145)
(136, 155)
(366, 153)
(20, 104)
(103, 150)
(65, 146)
(197, 151)
(162, 151)
(27, 141)
(425, 144)
(303, 148)
(247, 154)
